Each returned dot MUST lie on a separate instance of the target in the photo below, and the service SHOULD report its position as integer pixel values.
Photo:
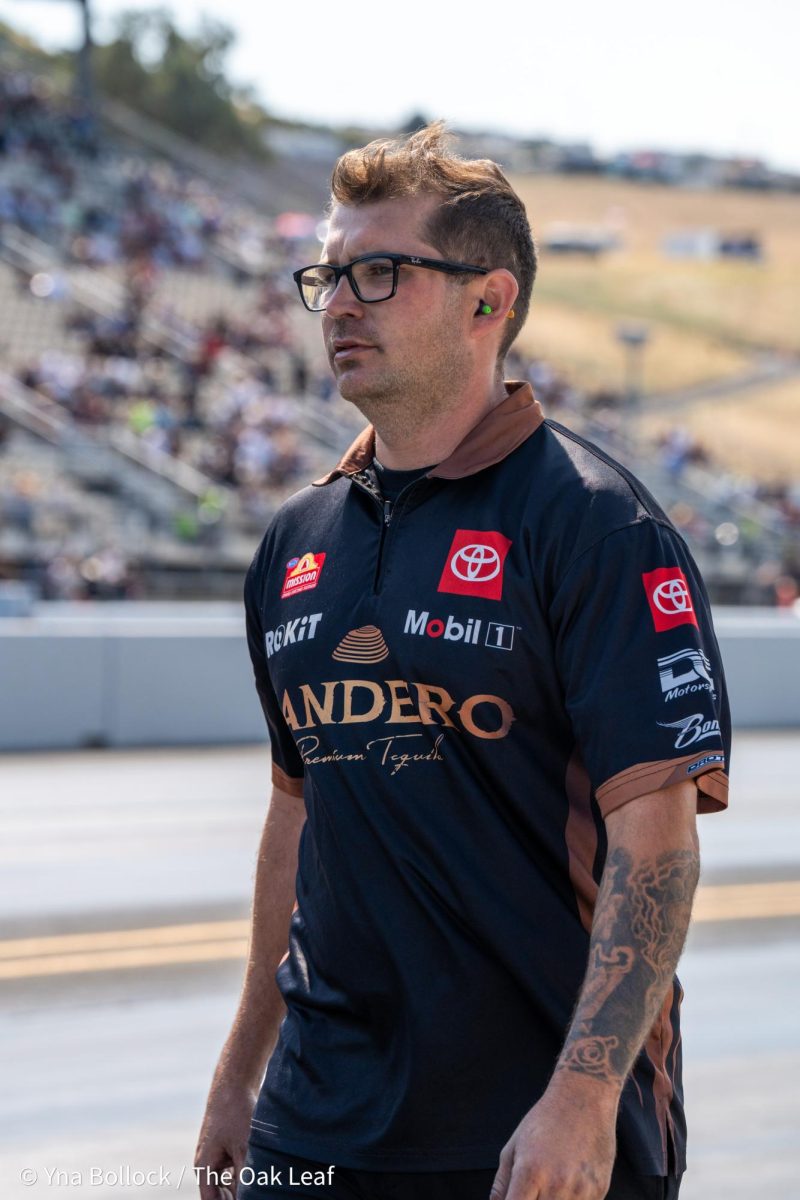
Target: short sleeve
(287, 766)
(640, 668)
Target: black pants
(350, 1184)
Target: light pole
(84, 83)
(84, 80)
(633, 337)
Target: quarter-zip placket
(389, 510)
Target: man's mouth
(344, 348)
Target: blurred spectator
(225, 397)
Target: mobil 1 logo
(472, 631)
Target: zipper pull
(387, 511)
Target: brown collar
(503, 428)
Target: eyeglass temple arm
(449, 268)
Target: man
(486, 661)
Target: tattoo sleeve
(640, 923)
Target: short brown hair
(480, 220)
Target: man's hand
(224, 1134)
(564, 1148)
(222, 1144)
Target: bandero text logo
(395, 702)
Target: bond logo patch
(302, 574)
(475, 563)
(669, 598)
(692, 729)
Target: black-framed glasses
(373, 277)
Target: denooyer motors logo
(685, 671)
(475, 563)
(669, 598)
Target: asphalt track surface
(124, 894)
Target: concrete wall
(761, 654)
(170, 675)
(179, 674)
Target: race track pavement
(123, 920)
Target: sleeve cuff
(706, 768)
(287, 783)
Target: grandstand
(161, 391)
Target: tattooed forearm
(640, 924)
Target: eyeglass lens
(372, 279)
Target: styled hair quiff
(480, 220)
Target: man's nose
(344, 301)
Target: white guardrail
(158, 674)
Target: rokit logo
(499, 637)
(684, 672)
(302, 629)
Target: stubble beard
(430, 382)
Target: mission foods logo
(302, 574)
(669, 598)
(474, 565)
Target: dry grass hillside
(706, 319)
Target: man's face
(407, 355)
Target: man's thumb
(503, 1176)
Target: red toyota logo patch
(475, 564)
(669, 598)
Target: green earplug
(486, 308)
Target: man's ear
(498, 291)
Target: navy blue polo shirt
(463, 683)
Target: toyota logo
(672, 596)
(475, 563)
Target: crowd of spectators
(223, 401)
(224, 398)
(718, 511)
(102, 205)
(223, 410)
(40, 504)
